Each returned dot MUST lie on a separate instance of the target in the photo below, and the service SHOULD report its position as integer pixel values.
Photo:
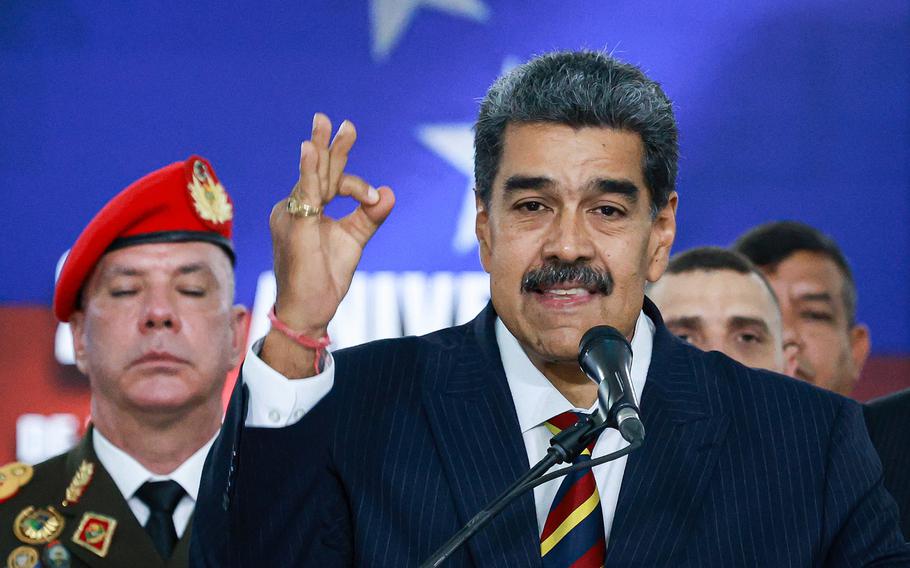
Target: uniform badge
(79, 482)
(209, 198)
(13, 476)
(22, 557)
(38, 526)
(55, 555)
(95, 533)
(8, 487)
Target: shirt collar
(129, 475)
(536, 399)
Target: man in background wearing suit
(717, 300)
(888, 420)
(575, 169)
(815, 284)
(148, 288)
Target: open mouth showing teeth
(566, 292)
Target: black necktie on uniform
(161, 497)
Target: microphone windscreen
(598, 334)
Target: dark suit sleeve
(267, 497)
(860, 515)
(335, 545)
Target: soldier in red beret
(148, 288)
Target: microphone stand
(564, 447)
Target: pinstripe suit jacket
(740, 468)
(888, 420)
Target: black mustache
(554, 273)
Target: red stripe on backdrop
(31, 380)
(883, 375)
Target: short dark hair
(770, 244)
(710, 258)
(580, 88)
(716, 258)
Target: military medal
(8, 487)
(79, 482)
(38, 526)
(12, 477)
(19, 471)
(55, 555)
(95, 533)
(22, 557)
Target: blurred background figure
(717, 300)
(817, 295)
(148, 289)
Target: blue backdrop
(787, 110)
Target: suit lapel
(665, 480)
(129, 543)
(473, 420)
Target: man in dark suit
(575, 172)
(818, 298)
(888, 420)
(148, 290)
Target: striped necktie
(573, 535)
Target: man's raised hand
(316, 256)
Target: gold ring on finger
(298, 208)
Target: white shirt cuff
(277, 401)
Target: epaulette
(14, 476)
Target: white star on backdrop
(390, 18)
(454, 143)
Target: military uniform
(71, 514)
(68, 511)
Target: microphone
(605, 356)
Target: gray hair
(578, 89)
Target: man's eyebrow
(619, 186)
(120, 270)
(519, 183)
(194, 267)
(815, 297)
(739, 322)
(690, 322)
(602, 185)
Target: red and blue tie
(573, 535)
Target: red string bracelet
(319, 345)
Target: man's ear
(663, 233)
(482, 230)
(791, 358)
(860, 345)
(240, 324)
(77, 327)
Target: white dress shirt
(276, 401)
(537, 400)
(129, 475)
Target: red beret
(179, 203)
